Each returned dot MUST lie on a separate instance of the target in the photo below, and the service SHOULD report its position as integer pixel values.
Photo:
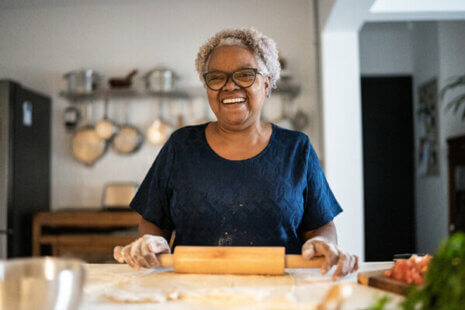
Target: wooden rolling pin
(234, 260)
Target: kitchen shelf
(290, 90)
(107, 94)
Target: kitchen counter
(116, 286)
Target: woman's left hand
(345, 262)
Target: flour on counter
(211, 290)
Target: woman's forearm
(327, 232)
(146, 227)
(322, 242)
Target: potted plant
(458, 100)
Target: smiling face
(236, 108)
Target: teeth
(233, 100)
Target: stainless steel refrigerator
(25, 140)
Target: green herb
(444, 287)
(452, 83)
(380, 303)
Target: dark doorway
(388, 166)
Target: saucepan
(41, 283)
(83, 81)
(160, 79)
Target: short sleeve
(320, 204)
(152, 200)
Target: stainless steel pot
(160, 79)
(82, 81)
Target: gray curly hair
(263, 48)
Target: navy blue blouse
(266, 200)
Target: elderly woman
(237, 181)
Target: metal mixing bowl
(41, 283)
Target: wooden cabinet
(89, 235)
(456, 184)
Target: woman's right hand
(142, 252)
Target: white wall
(385, 48)
(341, 109)
(451, 63)
(430, 195)
(342, 132)
(40, 42)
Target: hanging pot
(72, 116)
(160, 130)
(106, 128)
(128, 139)
(285, 120)
(300, 120)
(87, 146)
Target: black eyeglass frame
(230, 75)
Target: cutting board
(378, 280)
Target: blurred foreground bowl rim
(64, 263)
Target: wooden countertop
(109, 285)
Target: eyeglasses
(243, 78)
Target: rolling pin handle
(166, 260)
(297, 261)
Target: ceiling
(350, 15)
(415, 6)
